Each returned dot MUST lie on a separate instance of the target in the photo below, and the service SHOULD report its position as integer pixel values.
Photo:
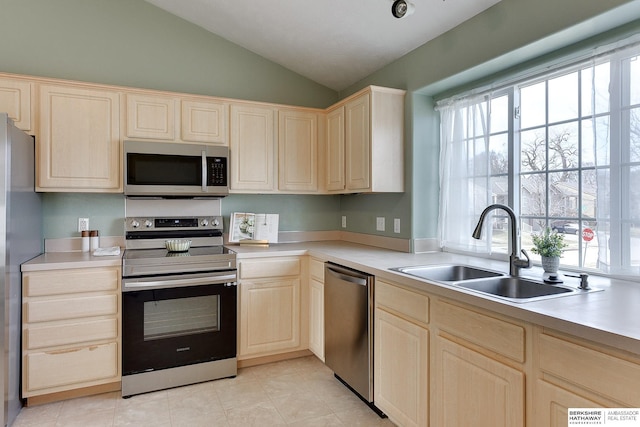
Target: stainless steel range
(179, 308)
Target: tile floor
(297, 392)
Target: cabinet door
(298, 151)
(204, 122)
(316, 318)
(15, 100)
(269, 316)
(151, 117)
(358, 143)
(79, 144)
(335, 150)
(552, 405)
(475, 390)
(401, 376)
(252, 147)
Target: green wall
(132, 43)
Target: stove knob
(216, 222)
(204, 222)
(148, 224)
(135, 224)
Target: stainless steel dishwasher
(348, 328)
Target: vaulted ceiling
(333, 42)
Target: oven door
(177, 320)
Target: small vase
(550, 264)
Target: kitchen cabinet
(373, 142)
(151, 117)
(252, 148)
(270, 306)
(316, 307)
(574, 373)
(78, 147)
(16, 100)
(479, 377)
(70, 332)
(204, 121)
(334, 150)
(401, 354)
(297, 151)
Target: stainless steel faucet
(515, 263)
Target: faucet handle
(523, 263)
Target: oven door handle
(134, 284)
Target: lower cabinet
(478, 368)
(574, 373)
(401, 354)
(270, 306)
(316, 307)
(70, 331)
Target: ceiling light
(402, 8)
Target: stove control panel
(173, 223)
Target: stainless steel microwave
(162, 169)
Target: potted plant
(549, 245)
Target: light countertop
(609, 317)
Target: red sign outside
(587, 234)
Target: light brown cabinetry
(297, 151)
(316, 307)
(373, 142)
(78, 146)
(70, 332)
(270, 306)
(151, 117)
(401, 354)
(252, 148)
(16, 100)
(334, 150)
(477, 363)
(204, 121)
(574, 373)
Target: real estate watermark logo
(616, 417)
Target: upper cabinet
(204, 121)
(15, 99)
(172, 118)
(252, 148)
(151, 117)
(297, 151)
(370, 127)
(78, 145)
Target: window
(562, 150)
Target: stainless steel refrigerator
(20, 240)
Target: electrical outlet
(396, 225)
(344, 221)
(380, 223)
(83, 224)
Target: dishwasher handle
(347, 277)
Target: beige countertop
(609, 317)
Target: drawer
(271, 267)
(599, 372)
(57, 282)
(316, 269)
(410, 304)
(45, 310)
(70, 333)
(71, 367)
(485, 331)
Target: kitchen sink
(447, 273)
(516, 288)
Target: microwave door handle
(204, 171)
